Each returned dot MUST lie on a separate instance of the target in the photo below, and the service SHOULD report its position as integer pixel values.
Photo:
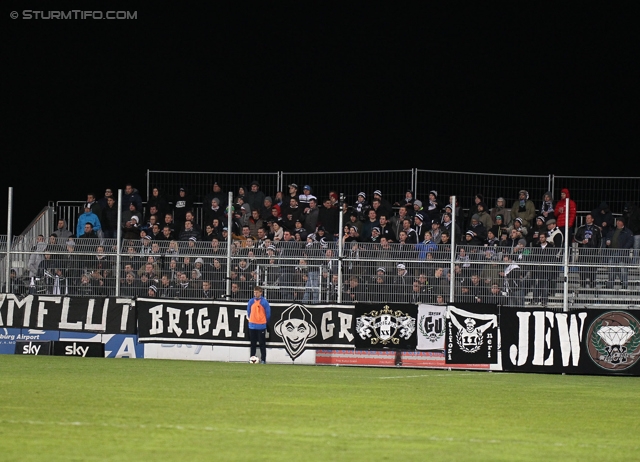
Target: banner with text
(294, 327)
(580, 342)
(108, 315)
(472, 333)
(431, 327)
(385, 326)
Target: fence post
(7, 271)
(340, 247)
(452, 262)
(565, 295)
(229, 242)
(119, 243)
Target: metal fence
(589, 192)
(314, 273)
(364, 261)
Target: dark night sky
(503, 88)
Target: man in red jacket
(560, 210)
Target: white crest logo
(385, 326)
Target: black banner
(81, 349)
(579, 342)
(472, 334)
(105, 315)
(386, 326)
(34, 348)
(295, 327)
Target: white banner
(430, 332)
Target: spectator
(306, 195)
(213, 211)
(589, 240)
(450, 228)
(547, 207)
(484, 216)
(167, 288)
(183, 203)
(361, 207)
(95, 206)
(328, 217)
(61, 233)
(158, 200)
(477, 231)
(127, 215)
(538, 229)
(402, 283)
(255, 197)
(513, 280)
(417, 208)
(554, 234)
(495, 296)
(266, 209)
(367, 227)
(560, 211)
(418, 294)
(215, 193)
(407, 200)
(518, 225)
(131, 228)
(477, 199)
(129, 195)
(426, 246)
(37, 255)
(631, 214)
(190, 216)
(293, 192)
(385, 207)
(386, 228)
(523, 208)
(188, 232)
(619, 240)
(603, 218)
(499, 229)
(254, 223)
(501, 209)
(311, 215)
(434, 207)
(109, 221)
(88, 217)
(103, 200)
(354, 292)
(89, 232)
(436, 231)
(420, 227)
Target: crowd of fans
(394, 250)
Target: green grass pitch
(84, 409)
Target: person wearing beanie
(524, 208)
(501, 209)
(477, 230)
(546, 207)
(433, 207)
(538, 229)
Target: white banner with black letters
(293, 326)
